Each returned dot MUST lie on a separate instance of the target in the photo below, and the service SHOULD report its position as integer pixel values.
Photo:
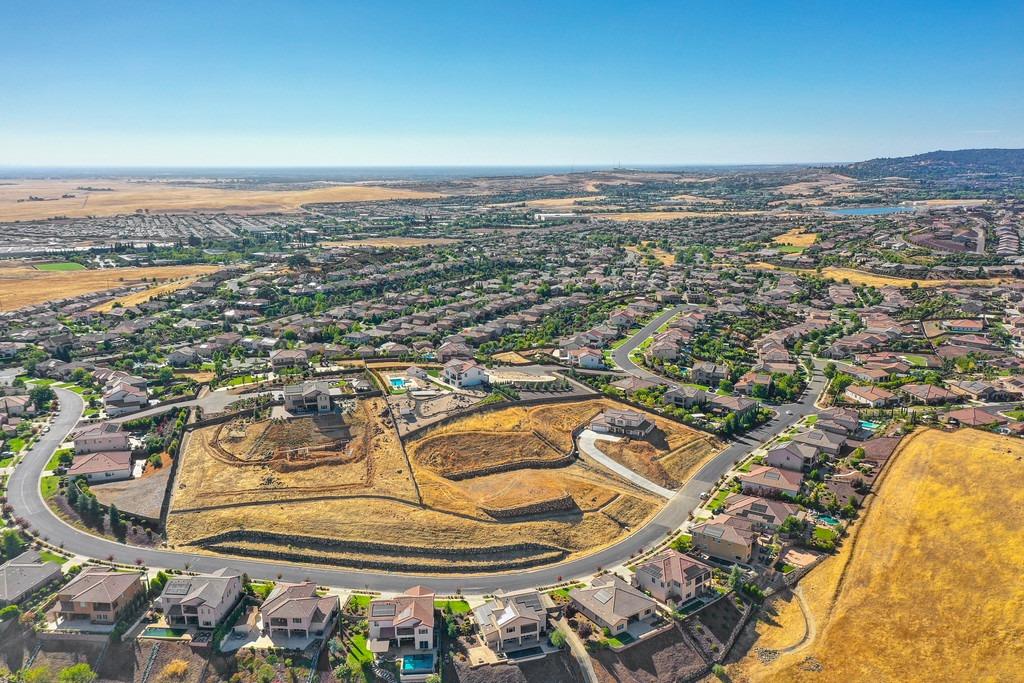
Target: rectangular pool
(397, 382)
(870, 426)
(418, 663)
(162, 632)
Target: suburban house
(512, 621)
(626, 422)
(824, 441)
(873, 397)
(203, 600)
(704, 372)
(23, 575)
(294, 610)
(671, 575)
(587, 358)
(771, 481)
(97, 596)
(686, 397)
(124, 398)
(791, 455)
(464, 373)
(613, 604)
(106, 436)
(841, 421)
(308, 397)
(975, 417)
(102, 466)
(16, 406)
(407, 620)
(726, 537)
(927, 394)
(767, 514)
(288, 358)
(734, 404)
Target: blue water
(397, 382)
(870, 210)
(418, 662)
(871, 426)
(829, 519)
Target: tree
(41, 396)
(78, 673)
(12, 543)
(38, 674)
(558, 639)
(735, 577)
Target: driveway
(587, 442)
(621, 354)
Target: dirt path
(578, 651)
(810, 625)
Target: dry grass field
(24, 286)
(397, 242)
(796, 238)
(860, 277)
(929, 588)
(145, 295)
(127, 196)
(378, 498)
(666, 258)
(667, 464)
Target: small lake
(870, 210)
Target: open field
(796, 238)
(136, 298)
(860, 277)
(398, 242)
(60, 266)
(941, 550)
(128, 196)
(666, 258)
(669, 458)
(21, 286)
(234, 497)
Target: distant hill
(940, 165)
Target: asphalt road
(621, 354)
(25, 497)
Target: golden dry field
(26, 286)
(929, 587)
(127, 196)
(145, 295)
(666, 258)
(422, 519)
(796, 238)
(860, 277)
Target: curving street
(26, 499)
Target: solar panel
(603, 595)
(176, 587)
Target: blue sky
(519, 83)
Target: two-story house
(626, 422)
(672, 575)
(97, 596)
(405, 620)
(512, 621)
(294, 610)
(202, 600)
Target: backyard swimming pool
(162, 632)
(870, 426)
(829, 519)
(397, 383)
(411, 663)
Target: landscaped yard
(564, 591)
(16, 444)
(453, 606)
(823, 534)
(49, 486)
(358, 602)
(47, 556)
(358, 654)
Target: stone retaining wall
(560, 504)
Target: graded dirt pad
(930, 587)
(669, 656)
(366, 512)
(861, 277)
(23, 286)
(670, 464)
(454, 455)
(145, 295)
(128, 196)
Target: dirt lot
(941, 549)
(127, 196)
(23, 286)
(669, 656)
(339, 507)
(663, 256)
(667, 462)
(860, 277)
(555, 668)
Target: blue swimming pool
(829, 519)
(418, 663)
(397, 382)
(870, 426)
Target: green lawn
(811, 419)
(242, 379)
(434, 372)
(362, 601)
(16, 444)
(745, 467)
(42, 382)
(62, 265)
(1017, 414)
(453, 606)
(790, 249)
(719, 498)
(918, 361)
(622, 639)
(6, 462)
(49, 486)
(47, 556)
(823, 534)
(564, 591)
(358, 653)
